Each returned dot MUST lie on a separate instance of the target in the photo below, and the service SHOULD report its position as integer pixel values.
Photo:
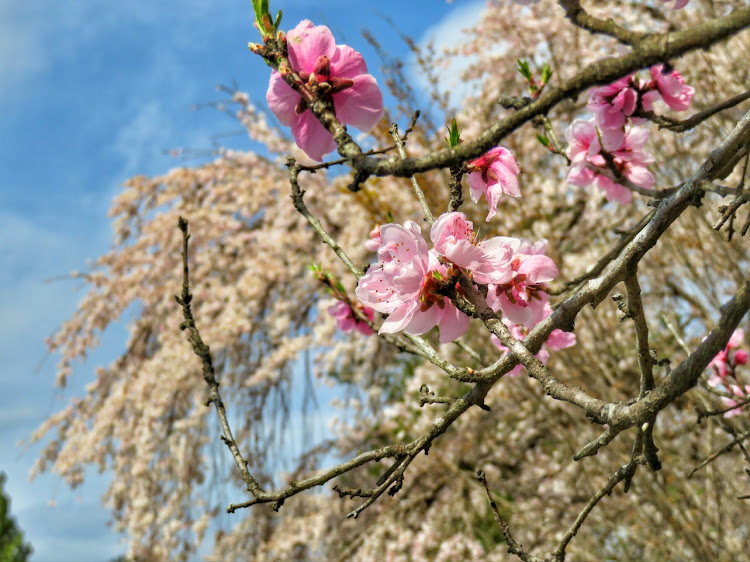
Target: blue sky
(93, 92)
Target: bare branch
(204, 353)
(393, 129)
(725, 449)
(576, 14)
(625, 472)
(513, 546)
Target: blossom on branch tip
(337, 74)
(723, 376)
(741, 394)
(727, 359)
(493, 175)
(670, 87)
(346, 320)
(410, 281)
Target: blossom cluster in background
(610, 144)
(346, 321)
(724, 377)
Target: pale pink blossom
(404, 286)
(583, 144)
(494, 174)
(611, 105)
(678, 4)
(556, 341)
(629, 160)
(341, 74)
(670, 87)
(346, 321)
(742, 394)
(489, 261)
(522, 299)
(374, 242)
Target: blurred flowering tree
(591, 189)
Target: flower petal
(312, 137)
(361, 105)
(453, 323)
(282, 100)
(400, 318)
(347, 63)
(307, 43)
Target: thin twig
(393, 129)
(728, 447)
(204, 353)
(625, 472)
(678, 126)
(703, 414)
(513, 546)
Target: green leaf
(277, 22)
(437, 275)
(257, 6)
(543, 139)
(454, 134)
(546, 73)
(523, 68)
(389, 216)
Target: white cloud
(447, 34)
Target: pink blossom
(556, 341)
(341, 76)
(742, 394)
(489, 261)
(740, 357)
(522, 299)
(670, 87)
(611, 105)
(726, 360)
(678, 4)
(493, 175)
(404, 286)
(374, 242)
(629, 160)
(346, 321)
(583, 144)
